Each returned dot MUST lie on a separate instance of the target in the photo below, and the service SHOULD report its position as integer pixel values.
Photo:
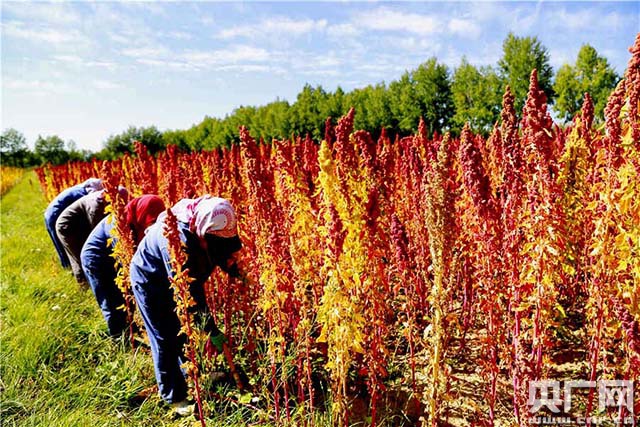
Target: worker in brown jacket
(76, 223)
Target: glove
(233, 270)
(217, 341)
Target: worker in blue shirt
(208, 230)
(98, 263)
(59, 204)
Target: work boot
(182, 409)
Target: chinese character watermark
(556, 399)
(609, 390)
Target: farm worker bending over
(208, 229)
(75, 224)
(59, 204)
(99, 266)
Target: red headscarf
(141, 213)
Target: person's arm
(230, 266)
(199, 271)
(95, 204)
(222, 251)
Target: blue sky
(84, 71)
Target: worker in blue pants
(208, 230)
(59, 204)
(98, 263)
(100, 271)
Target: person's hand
(217, 341)
(233, 270)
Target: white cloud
(119, 38)
(253, 68)
(211, 65)
(343, 30)
(76, 60)
(614, 21)
(380, 69)
(69, 59)
(38, 87)
(619, 59)
(349, 38)
(180, 35)
(487, 55)
(274, 26)
(577, 20)
(152, 62)
(40, 34)
(106, 85)
(320, 72)
(111, 66)
(145, 7)
(464, 27)
(237, 58)
(175, 65)
(206, 20)
(559, 56)
(486, 11)
(60, 13)
(324, 61)
(294, 27)
(518, 17)
(384, 19)
(414, 45)
(240, 31)
(129, 29)
(330, 61)
(145, 52)
(232, 54)
(523, 20)
(301, 60)
(589, 19)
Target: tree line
(14, 150)
(445, 99)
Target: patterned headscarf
(92, 184)
(141, 212)
(207, 215)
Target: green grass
(58, 367)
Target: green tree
(403, 104)
(477, 96)
(334, 104)
(433, 91)
(520, 56)
(305, 115)
(201, 136)
(179, 138)
(75, 154)
(14, 150)
(426, 93)
(122, 143)
(377, 112)
(271, 121)
(372, 108)
(591, 73)
(51, 149)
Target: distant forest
(446, 100)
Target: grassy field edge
(57, 365)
